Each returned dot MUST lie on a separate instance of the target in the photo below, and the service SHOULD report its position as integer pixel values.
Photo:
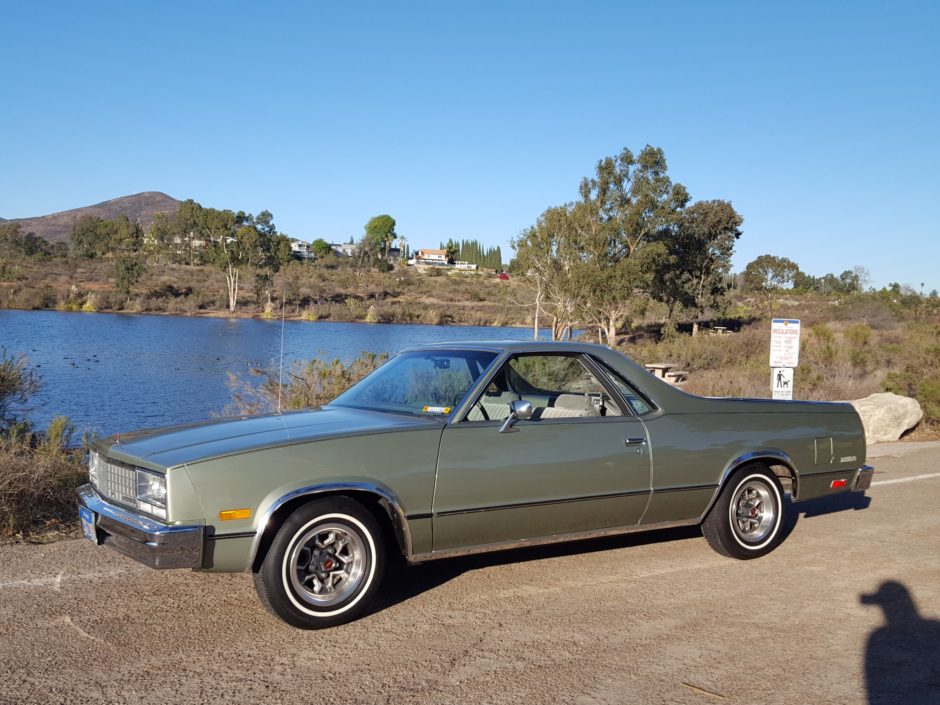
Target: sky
(819, 121)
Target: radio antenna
(280, 368)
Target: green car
(453, 449)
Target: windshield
(426, 382)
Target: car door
(581, 463)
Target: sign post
(784, 355)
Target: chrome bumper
(863, 478)
(141, 538)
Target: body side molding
(545, 540)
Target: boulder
(886, 416)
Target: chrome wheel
(327, 564)
(753, 511)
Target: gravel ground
(641, 619)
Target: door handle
(634, 441)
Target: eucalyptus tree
(768, 273)
(548, 254)
(626, 210)
(695, 271)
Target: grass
(38, 478)
(839, 359)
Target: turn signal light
(229, 514)
(838, 483)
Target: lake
(119, 372)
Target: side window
(557, 386)
(638, 404)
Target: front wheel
(745, 522)
(324, 565)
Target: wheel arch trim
(773, 456)
(386, 498)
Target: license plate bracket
(88, 524)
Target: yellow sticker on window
(437, 410)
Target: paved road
(659, 619)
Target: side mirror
(519, 410)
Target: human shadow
(403, 583)
(902, 657)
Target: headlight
(151, 493)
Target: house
(300, 250)
(469, 266)
(434, 258)
(345, 249)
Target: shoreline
(216, 313)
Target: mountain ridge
(140, 207)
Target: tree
(162, 237)
(321, 248)
(364, 254)
(15, 243)
(452, 248)
(699, 253)
(768, 273)
(474, 252)
(380, 233)
(625, 210)
(127, 271)
(229, 248)
(90, 238)
(125, 237)
(862, 276)
(547, 252)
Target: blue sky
(819, 121)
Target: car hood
(178, 445)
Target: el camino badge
(437, 410)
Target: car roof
(510, 346)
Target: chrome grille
(117, 482)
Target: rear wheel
(324, 566)
(746, 521)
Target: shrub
(38, 478)
(38, 471)
(18, 383)
(928, 394)
(90, 305)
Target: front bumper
(145, 540)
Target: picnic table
(659, 369)
(665, 371)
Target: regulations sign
(781, 382)
(784, 342)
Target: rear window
(637, 403)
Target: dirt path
(659, 619)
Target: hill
(56, 227)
